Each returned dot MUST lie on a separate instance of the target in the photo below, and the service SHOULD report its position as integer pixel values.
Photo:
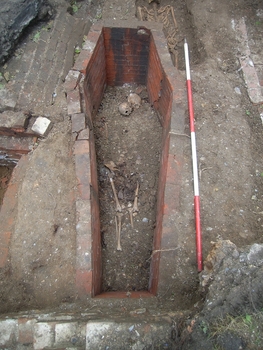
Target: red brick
(78, 122)
(82, 165)
(97, 27)
(171, 198)
(166, 89)
(82, 61)
(124, 295)
(81, 147)
(83, 252)
(84, 135)
(73, 101)
(94, 34)
(3, 256)
(83, 282)
(16, 145)
(174, 168)
(5, 239)
(71, 80)
(169, 234)
(83, 214)
(26, 330)
(83, 228)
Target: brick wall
(114, 54)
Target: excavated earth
(40, 271)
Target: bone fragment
(118, 229)
(135, 204)
(118, 206)
(131, 216)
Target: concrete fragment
(41, 126)
(8, 330)
(69, 333)
(71, 80)
(84, 135)
(10, 119)
(96, 331)
(78, 122)
(7, 100)
(73, 100)
(44, 334)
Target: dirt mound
(232, 281)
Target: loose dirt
(130, 146)
(5, 175)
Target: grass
(249, 327)
(36, 36)
(75, 7)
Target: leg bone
(118, 227)
(118, 207)
(135, 204)
(131, 216)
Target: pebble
(138, 311)
(237, 91)
(145, 220)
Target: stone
(7, 99)
(41, 126)
(15, 16)
(255, 255)
(8, 330)
(69, 332)
(73, 101)
(44, 334)
(10, 119)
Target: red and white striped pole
(194, 161)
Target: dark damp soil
(5, 175)
(128, 150)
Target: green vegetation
(77, 50)
(75, 7)
(249, 327)
(36, 36)
(47, 27)
(204, 327)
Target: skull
(134, 100)
(125, 109)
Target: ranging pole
(194, 161)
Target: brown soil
(5, 175)
(133, 144)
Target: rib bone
(118, 206)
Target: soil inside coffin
(133, 144)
